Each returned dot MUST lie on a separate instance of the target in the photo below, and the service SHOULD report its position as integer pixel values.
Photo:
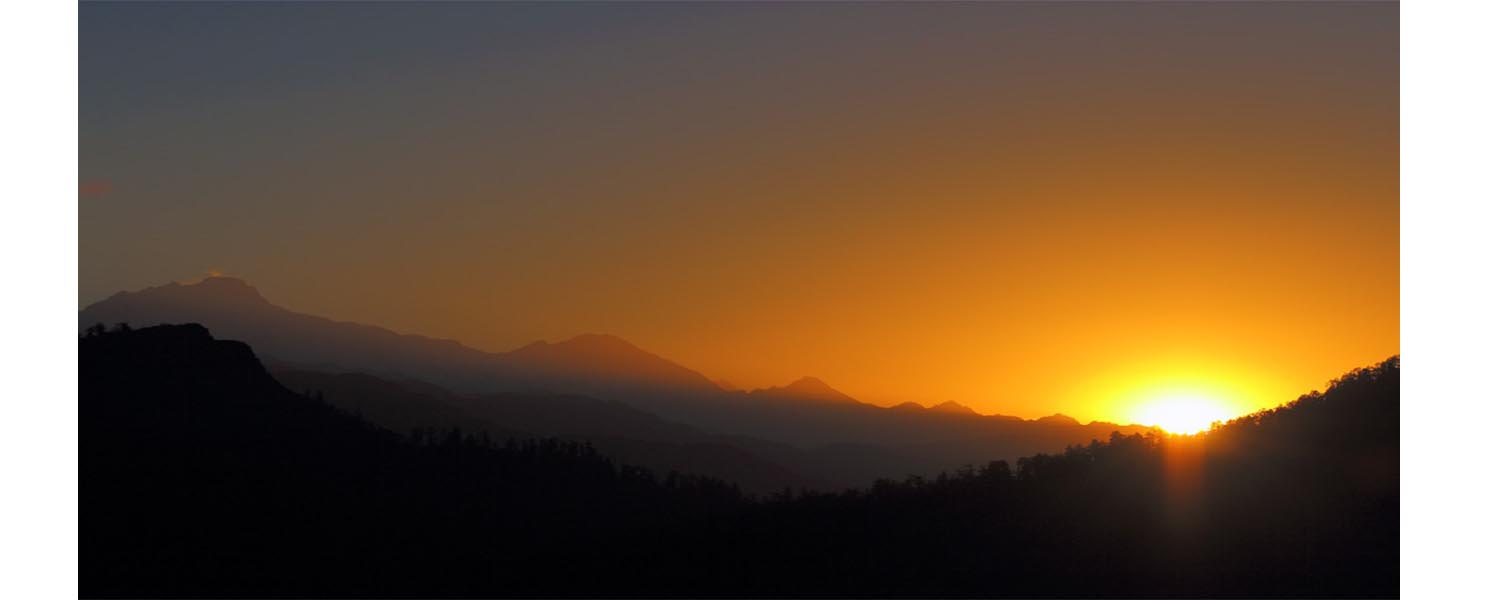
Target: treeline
(201, 476)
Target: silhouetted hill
(201, 476)
(807, 414)
(1300, 501)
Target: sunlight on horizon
(1023, 237)
(1181, 392)
(1183, 414)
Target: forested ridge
(202, 476)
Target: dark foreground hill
(201, 476)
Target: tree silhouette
(202, 476)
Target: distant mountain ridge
(619, 431)
(205, 477)
(861, 440)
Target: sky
(1029, 209)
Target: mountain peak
(590, 344)
(218, 288)
(953, 407)
(1059, 419)
(601, 355)
(224, 281)
(810, 384)
(214, 301)
(810, 388)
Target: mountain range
(204, 475)
(602, 389)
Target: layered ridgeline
(829, 437)
(202, 476)
(617, 430)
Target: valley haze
(600, 388)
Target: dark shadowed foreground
(203, 476)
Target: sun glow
(1186, 414)
(1178, 392)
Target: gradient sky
(1026, 208)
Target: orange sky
(1028, 209)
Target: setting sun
(1183, 414)
(909, 299)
